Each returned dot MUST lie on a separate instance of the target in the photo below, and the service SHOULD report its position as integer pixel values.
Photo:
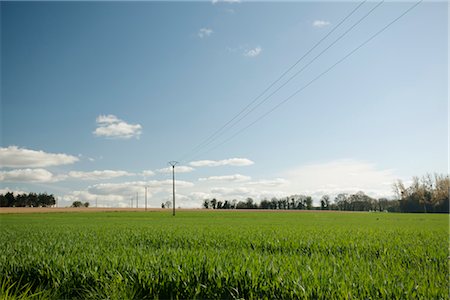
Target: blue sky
(116, 89)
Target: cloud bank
(27, 175)
(15, 157)
(98, 175)
(178, 169)
(227, 178)
(341, 176)
(237, 162)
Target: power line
(316, 78)
(298, 72)
(208, 139)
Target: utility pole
(173, 164)
(145, 198)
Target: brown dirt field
(21, 210)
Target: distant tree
(241, 205)
(325, 202)
(274, 203)
(233, 204)
(45, 200)
(281, 203)
(206, 203)
(214, 203)
(361, 202)
(428, 194)
(342, 202)
(86, 204)
(249, 203)
(226, 205)
(333, 206)
(441, 193)
(77, 204)
(293, 202)
(21, 200)
(32, 200)
(3, 201)
(308, 202)
(26, 200)
(168, 204)
(219, 205)
(265, 204)
(163, 205)
(10, 199)
(382, 204)
(51, 200)
(300, 201)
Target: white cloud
(98, 175)
(168, 183)
(121, 194)
(100, 200)
(81, 156)
(253, 52)
(269, 182)
(240, 193)
(14, 157)
(107, 119)
(27, 175)
(42, 175)
(184, 201)
(237, 162)
(341, 176)
(178, 169)
(320, 23)
(123, 188)
(112, 127)
(14, 191)
(227, 178)
(148, 173)
(130, 188)
(199, 196)
(315, 180)
(204, 32)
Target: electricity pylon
(173, 164)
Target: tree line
(27, 200)
(426, 194)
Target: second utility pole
(145, 198)
(173, 164)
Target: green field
(251, 255)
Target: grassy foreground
(125, 255)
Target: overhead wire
(208, 140)
(315, 78)
(297, 73)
